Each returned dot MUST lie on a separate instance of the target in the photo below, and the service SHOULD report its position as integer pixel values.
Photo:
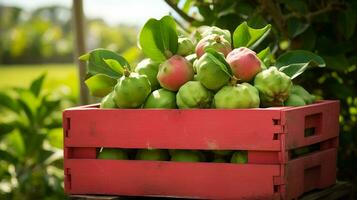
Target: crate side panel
(322, 117)
(195, 180)
(178, 129)
(313, 171)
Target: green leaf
(245, 36)
(114, 65)
(294, 70)
(84, 57)
(97, 65)
(27, 110)
(6, 128)
(294, 63)
(7, 102)
(158, 38)
(219, 59)
(16, 142)
(7, 157)
(100, 85)
(347, 22)
(36, 85)
(188, 4)
(265, 56)
(296, 27)
(55, 138)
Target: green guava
(274, 87)
(237, 96)
(112, 154)
(131, 90)
(193, 95)
(149, 68)
(161, 98)
(152, 154)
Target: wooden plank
(339, 191)
(170, 179)
(173, 129)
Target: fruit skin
(112, 154)
(187, 156)
(210, 72)
(175, 72)
(152, 154)
(214, 41)
(215, 30)
(131, 90)
(305, 95)
(238, 96)
(108, 101)
(149, 68)
(222, 152)
(294, 100)
(244, 64)
(161, 98)
(193, 95)
(191, 58)
(185, 46)
(240, 157)
(274, 87)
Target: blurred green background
(38, 76)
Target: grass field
(58, 75)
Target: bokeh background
(39, 77)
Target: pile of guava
(177, 155)
(208, 68)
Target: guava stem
(233, 81)
(218, 39)
(126, 73)
(168, 54)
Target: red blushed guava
(216, 42)
(175, 72)
(244, 64)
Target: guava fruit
(185, 46)
(187, 156)
(108, 101)
(191, 58)
(161, 98)
(244, 64)
(304, 94)
(211, 72)
(175, 72)
(239, 157)
(274, 87)
(112, 154)
(237, 96)
(193, 95)
(214, 41)
(222, 152)
(215, 30)
(152, 154)
(294, 100)
(131, 90)
(149, 68)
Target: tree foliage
(327, 28)
(46, 35)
